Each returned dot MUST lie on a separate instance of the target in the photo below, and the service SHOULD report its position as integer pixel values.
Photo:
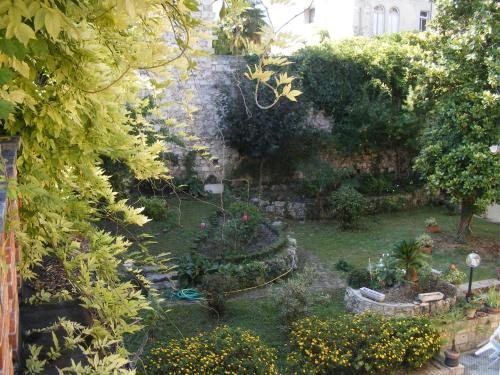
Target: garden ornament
(493, 343)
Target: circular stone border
(357, 303)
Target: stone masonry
(9, 257)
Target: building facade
(347, 18)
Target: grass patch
(378, 233)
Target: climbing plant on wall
(70, 74)
(362, 84)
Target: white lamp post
(473, 260)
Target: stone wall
(206, 83)
(311, 209)
(476, 331)
(357, 303)
(9, 257)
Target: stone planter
(357, 303)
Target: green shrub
(293, 297)
(386, 272)
(214, 286)
(240, 228)
(424, 240)
(359, 277)
(348, 205)
(245, 275)
(154, 208)
(320, 179)
(363, 344)
(344, 266)
(192, 268)
(221, 351)
(493, 298)
(454, 276)
(376, 184)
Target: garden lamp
(473, 260)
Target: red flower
(203, 226)
(245, 216)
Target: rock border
(355, 302)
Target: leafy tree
(274, 138)
(460, 98)
(241, 24)
(68, 69)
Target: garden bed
(357, 303)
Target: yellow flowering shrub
(362, 344)
(222, 351)
(420, 339)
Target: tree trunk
(261, 172)
(464, 228)
(411, 275)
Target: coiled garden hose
(190, 294)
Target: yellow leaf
(52, 23)
(21, 67)
(39, 19)
(4, 6)
(129, 6)
(24, 33)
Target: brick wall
(9, 257)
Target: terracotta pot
(451, 358)
(471, 313)
(426, 249)
(433, 229)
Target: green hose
(190, 294)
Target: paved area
(481, 285)
(479, 365)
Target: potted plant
(493, 301)
(432, 225)
(425, 243)
(472, 306)
(450, 323)
(454, 276)
(407, 255)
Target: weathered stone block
(372, 294)
(430, 297)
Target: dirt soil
(51, 277)
(401, 293)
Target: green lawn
(378, 233)
(174, 235)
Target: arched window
(378, 20)
(394, 20)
